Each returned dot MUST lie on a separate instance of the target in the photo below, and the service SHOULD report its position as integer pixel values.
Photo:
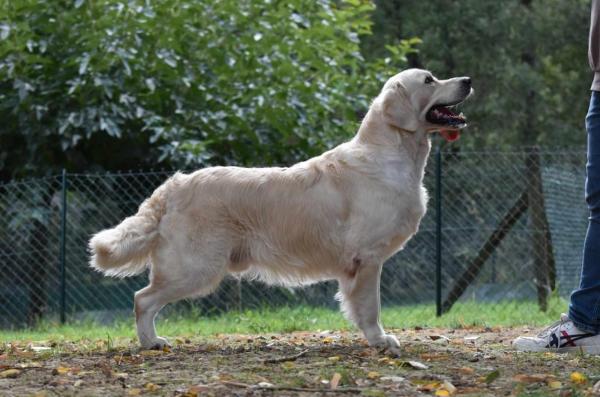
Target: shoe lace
(546, 332)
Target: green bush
(229, 81)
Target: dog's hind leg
(171, 280)
(360, 302)
(148, 302)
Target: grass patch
(302, 318)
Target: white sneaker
(561, 337)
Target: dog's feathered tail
(125, 249)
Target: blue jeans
(584, 309)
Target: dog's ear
(397, 108)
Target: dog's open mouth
(450, 122)
(444, 116)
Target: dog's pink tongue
(450, 135)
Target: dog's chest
(409, 210)
(399, 209)
(393, 209)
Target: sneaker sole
(593, 349)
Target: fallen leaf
(134, 392)
(121, 375)
(442, 393)
(449, 387)
(334, 359)
(471, 390)
(31, 364)
(429, 387)
(59, 381)
(434, 356)
(596, 389)
(466, 370)
(151, 386)
(439, 338)
(532, 378)
(578, 378)
(416, 365)
(21, 353)
(60, 370)
(335, 381)
(151, 352)
(39, 349)
(492, 376)
(394, 379)
(226, 377)
(265, 384)
(288, 365)
(10, 373)
(373, 375)
(85, 373)
(78, 383)
(328, 339)
(133, 359)
(194, 391)
(554, 384)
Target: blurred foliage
(527, 58)
(118, 84)
(115, 84)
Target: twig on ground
(287, 358)
(236, 384)
(300, 389)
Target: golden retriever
(337, 216)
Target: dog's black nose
(467, 81)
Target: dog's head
(416, 100)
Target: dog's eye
(428, 80)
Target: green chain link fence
(501, 227)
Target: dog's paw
(156, 344)
(385, 341)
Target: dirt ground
(438, 362)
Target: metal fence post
(63, 246)
(438, 230)
(239, 294)
(541, 240)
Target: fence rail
(502, 227)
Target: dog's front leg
(359, 297)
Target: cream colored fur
(337, 216)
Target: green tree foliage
(124, 83)
(527, 58)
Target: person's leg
(584, 309)
(580, 330)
